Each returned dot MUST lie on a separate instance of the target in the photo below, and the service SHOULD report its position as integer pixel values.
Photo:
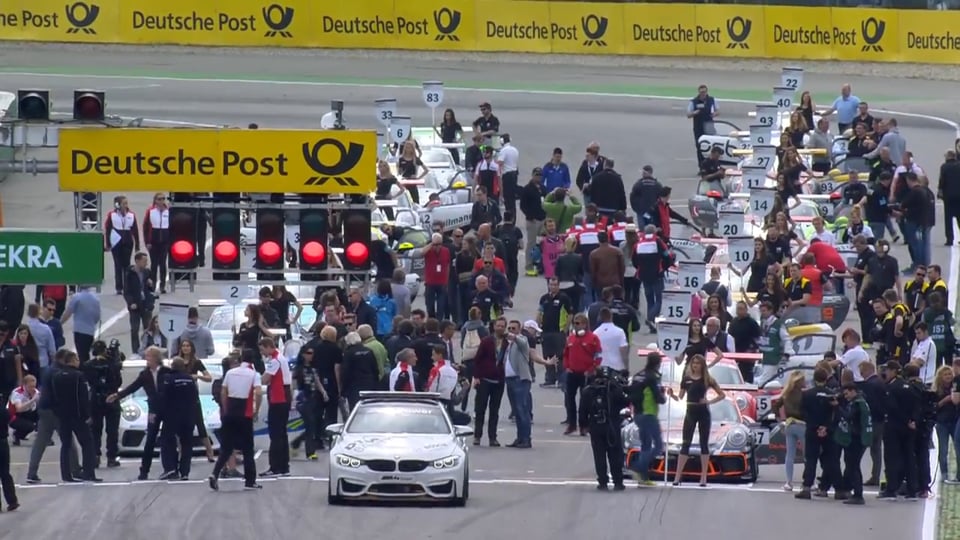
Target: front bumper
(427, 485)
(722, 466)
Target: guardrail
(707, 30)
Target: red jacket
(827, 257)
(436, 267)
(485, 362)
(582, 353)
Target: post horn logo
(738, 30)
(447, 29)
(278, 27)
(594, 35)
(81, 16)
(348, 160)
(872, 31)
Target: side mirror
(334, 429)
(463, 431)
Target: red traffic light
(269, 252)
(313, 253)
(225, 252)
(357, 253)
(182, 252)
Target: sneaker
(184, 477)
(33, 480)
(570, 431)
(213, 482)
(841, 495)
(912, 497)
(494, 443)
(872, 482)
(92, 479)
(583, 432)
(170, 475)
(113, 463)
(253, 486)
(951, 481)
(788, 487)
(12, 507)
(858, 501)
(312, 457)
(476, 441)
(602, 487)
(284, 474)
(646, 483)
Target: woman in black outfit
(450, 132)
(310, 404)
(463, 264)
(569, 272)
(714, 307)
(758, 266)
(797, 129)
(698, 345)
(694, 386)
(282, 300)
(27, 350)
(247, 337)
(807, 108)
(198, 372)
(772, 292)
(410, 167)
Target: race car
(134, 416)
(399, 446)
(732, 445)
(452, 207)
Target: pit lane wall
(820, 33)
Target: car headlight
(741, 403)
(130, 412)
(344, 460)
(446, 463)
(736, 439)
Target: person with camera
(103, 373)
(900, 434)
(602, 399)
(178, 396)
(646, 395)
(71, 405)
(149, 379)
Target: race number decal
(672, 338)
(764, 406)
(826, 186)
(767, 115)
(763, 156)
(761, 201)
(691, 275)
(292, 234)
(425, 220)
(730, 223)
(761, 437)
(741, 250)
(825, 209)
(675, 305)
(754, 176)
(385, 108)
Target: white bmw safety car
(399, 446)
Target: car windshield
(723, 411)
(398, 418)
(806, 208)
(225, 317)
(725, 374)
(853, 164)
(438, 158)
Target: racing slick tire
(460, 502)
(332, 498)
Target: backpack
(471, 342)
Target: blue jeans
(794, 434)
(653, 293)
(945, 431)
(519, 393)
(651, 442)
(918, 241)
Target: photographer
(603, 398)
(103, 375)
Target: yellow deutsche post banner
(217, 161)
(705, 30)
(735, 31)
(93, 21)
(660, 29)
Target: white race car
(225, 317)
(399, 446)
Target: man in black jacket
(900, 434)
(6, 480)
(607, 192)
(361, 310)
(360, 371)
(71, 405)
(948, 190)
(818, 403)
(179, 396)
(149, 379)
(531, 204)
(138, 294)
(644, 194)
(875, 392)
(103, 373)
(485, 210)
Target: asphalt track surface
(540, 493)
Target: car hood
(425, 447)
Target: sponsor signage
(37, 257)
(217, 160)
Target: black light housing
(33, 105)
(89, 105)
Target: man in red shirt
(815, 276)
(436, 277)
(828, 260)
(581, 356)
(277, 379)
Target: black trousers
(510, 189)
(277, 417)
(575, 383)
(631, 291)
(823, 450)
(607, 449)
(121, 261)
(237, 434)
(83, 342)
(698, 416)
(106, 416)
(177, 431)
(951, 213)
(150, 445)
(24, 424)
(867, 317)
(68, 428)
(6, 479)
(922, 457)
(488, 399)
(852, 475)
(899, 458)
(435, 297)
(158, 263)
(553, 343)
(876, 451)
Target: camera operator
(603, 398)
(900, 434)
(179, 396)
(925, 426)
(149, 379)
(103, 374)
